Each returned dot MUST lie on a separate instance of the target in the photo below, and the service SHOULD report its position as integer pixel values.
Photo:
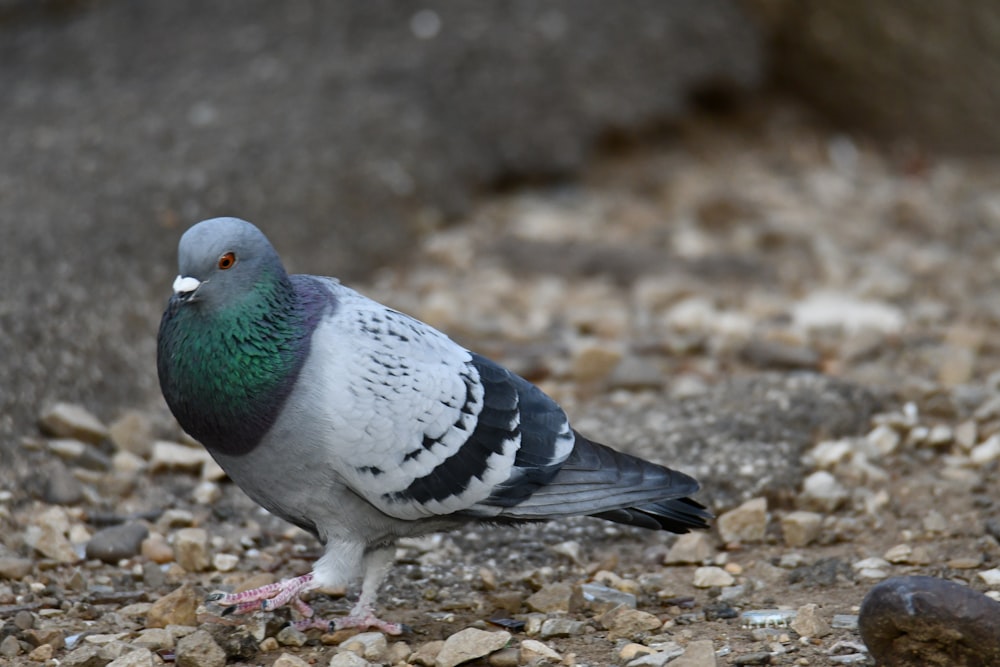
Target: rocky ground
(799, 319)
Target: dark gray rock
(926, 621)
(341, 128)
(117, 542)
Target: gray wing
(421, 427)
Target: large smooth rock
(926, 621)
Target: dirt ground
(763, 245)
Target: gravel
(839, 449)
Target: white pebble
(987, 451)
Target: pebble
(809, 623)
(991, 577)
(633, 650)
(426, 654)
(343, 659)
(191, 549)
(966, 434)
(206, 493)
(132, 433)
(935, 621)
(593, 360)
(757, 658)
(49, 539)
(154, 639)
(801, 528)
(871, 568)
(225, 562)
(774, 354)
(470, 644)
(10, 646)
(700, 653)
(884, 439)
(507, 657)
(142, 657)
(291, 636)
(42, 653)
(369, 645)
(821, 492)
(555, 597)
(746, 523)
(289, 660)
(657, 658)
(173, 456)
(65, 420)
(14, 568)
(600, 598)
(178, 607)
(631, 623)
(827, 309)
(156, 549)
(561, 626)
(237, 641)
(534, 652)
(636, 373)
(987, 451)
(690, 548)
(115, 543)
(709, 576)
(199, 649)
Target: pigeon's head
(224, 259)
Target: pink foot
(287, 591)
(267, 598)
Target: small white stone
(871, 562)
(822, 491)
(987, 451)
(68, 449)
(534, 651)
(206, 493)
(901, 553)
(884, 439)
(470, 644)
(73, 421)
(706, 577)
(169, 456)
(369, 645)
(342, 659)
(991, 577)
(225, 562)
(826, 309)
(939, 435)
(829, 453)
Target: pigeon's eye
(227, 261)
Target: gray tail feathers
(598, 481)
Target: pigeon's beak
(185, 286)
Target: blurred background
(353, 132)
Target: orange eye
(227, 261)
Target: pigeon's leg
(376, 565)
(268, 598)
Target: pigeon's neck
(227, 373)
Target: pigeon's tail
(598, 481)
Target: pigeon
(362, 425)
